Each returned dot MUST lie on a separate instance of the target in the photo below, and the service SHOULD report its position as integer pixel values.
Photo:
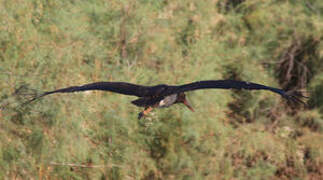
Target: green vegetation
(46, 45)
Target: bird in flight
(163, 95)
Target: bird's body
(164, 95)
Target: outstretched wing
(117, 87)
(233, 84)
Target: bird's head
(181, 98)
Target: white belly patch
(168, 100)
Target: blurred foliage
(96, 135)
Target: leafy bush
(53, 44)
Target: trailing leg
(145, 112)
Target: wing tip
(295, 97)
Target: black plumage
(164, 95)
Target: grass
(96, 135)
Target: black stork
(165, 95)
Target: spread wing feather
(223, 84)
(233, 84)
(117, 87)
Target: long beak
(188, 105)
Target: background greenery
(96, 135)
